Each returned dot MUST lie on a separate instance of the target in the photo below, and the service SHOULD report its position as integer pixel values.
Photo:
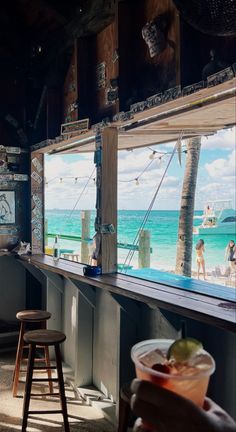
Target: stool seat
(44, 337)
(33, 315)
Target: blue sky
(216, 176)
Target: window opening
(214, 215)
(70, 205)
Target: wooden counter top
(202, 307)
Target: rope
(143, 223)
(81, 194)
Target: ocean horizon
(163, 227)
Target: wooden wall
(92, 51)
(195, 48)
(106, 45)
(14, 198)
(126, 56)
(140, 75)
(70, 89)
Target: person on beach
(168, 411)
(200, 258)
(230, 254)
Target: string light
(64, 178)
(152, 156)
(155, 156)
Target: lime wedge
(182, 349)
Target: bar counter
(202, 307)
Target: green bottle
(56, 249)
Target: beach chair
(71, 257)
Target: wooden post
(37, 203)
(85, 220)
(144, 249)
(45, 232)
(108, 199)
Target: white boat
(218, 217)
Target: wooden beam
(206, 111)
(158, 132)
(109, 198)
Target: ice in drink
(188, 374)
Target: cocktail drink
(182, 366)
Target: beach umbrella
(213, 17)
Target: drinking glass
(191, 384)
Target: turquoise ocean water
(163, 226)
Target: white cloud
(222, 140)
(216, 179)
(66, 193)
(220, 168)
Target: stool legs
(61, 388)
(19, 358)
(49, 372)
(124, 413)
(19, 355)
(28, 385)
(47, 361)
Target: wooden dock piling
(85, 236)
(144, 249)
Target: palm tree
(185, 231)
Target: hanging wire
(143, 223)
(142, 172)
(136, 179)
(67, 177)
(80, 195)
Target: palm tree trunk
(185, 232)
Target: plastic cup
(191, 386)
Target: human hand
(170, 412)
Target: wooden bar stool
(26, 317)
(44, 338)
(124, 408)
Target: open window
(150, 190)
(70, 195)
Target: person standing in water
(230, 254)
(200, 258)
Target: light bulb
(152, 156)
(159, 161)
(76, 180)
(60, 179)
(136, 182)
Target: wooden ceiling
(201, 113)
(36, 43)
(52, 25)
